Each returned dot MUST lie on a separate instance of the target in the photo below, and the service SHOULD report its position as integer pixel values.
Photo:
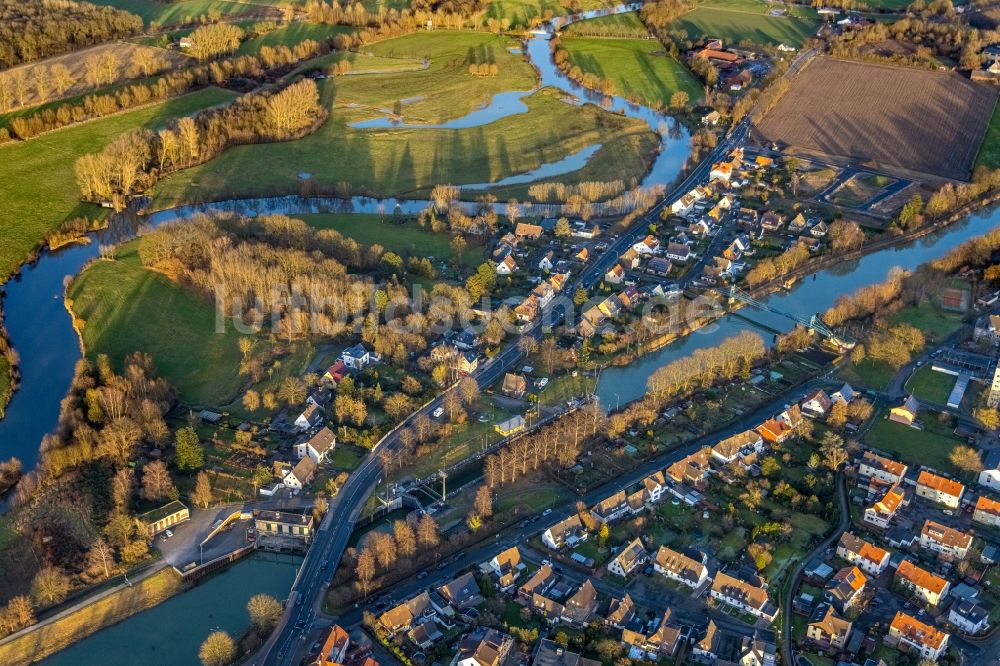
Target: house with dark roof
(660, 644)
(461, 592)
(907, 412)
(311, 417)
(550, 653)
(969, 616)
(538, 583)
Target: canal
(172, 632)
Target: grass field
(404, 239)
(127, 308)
(61, 633)
(929, 446)
(38, 188)
(930, 385)
(411, 161)
(293, 34)
(735, 21)
(639, 68)
(935, 323)
(613, 25)
(184, 11)
(867, 374)
(521, 12)
(989, 151)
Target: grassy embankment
(61, 633)
(989, 151)
(38, 188)
(639, 68)
(185, 11)
(405, 238)
(5, 383)
(411, 161)
(522, 12)
(737, 20)
(125, 308)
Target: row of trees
(33, 29)
(215, 39)
(133, 162)
(381, 550)
(779, 266)
(930, 37)
(76, 508)
(270, 61)
(558, 442)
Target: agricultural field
(639, 68)
(404, 238)
(409, 161)
(736, 21)
(186, 11)
(989, 151)
(126, 54)
(35, 206)
(920, 120)
(125, 307)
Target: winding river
(40, 328)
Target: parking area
(184, 547)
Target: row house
(692, 470)
(880, 468)
(884, 510)
(946, 542)
(743, 596)
(679, 567)
(729, 449)
(939, 489)
(921, 583)
(611, 509)
(869, 558)
(926, 640)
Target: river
(40, 329)
(172, 632)
(810, 295)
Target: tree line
(76, 510)
(558, 442)
(926, 32)
(133, 162)
(268, 63)
(33, 29)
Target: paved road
(786, 601)
(331, 539)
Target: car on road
(168, 534)
(422, 575)
(543, 382)
(547, 512)
(438, 412)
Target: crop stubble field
(921, 120)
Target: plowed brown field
(921, 120)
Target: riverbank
(42, 640)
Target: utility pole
(444, 490)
